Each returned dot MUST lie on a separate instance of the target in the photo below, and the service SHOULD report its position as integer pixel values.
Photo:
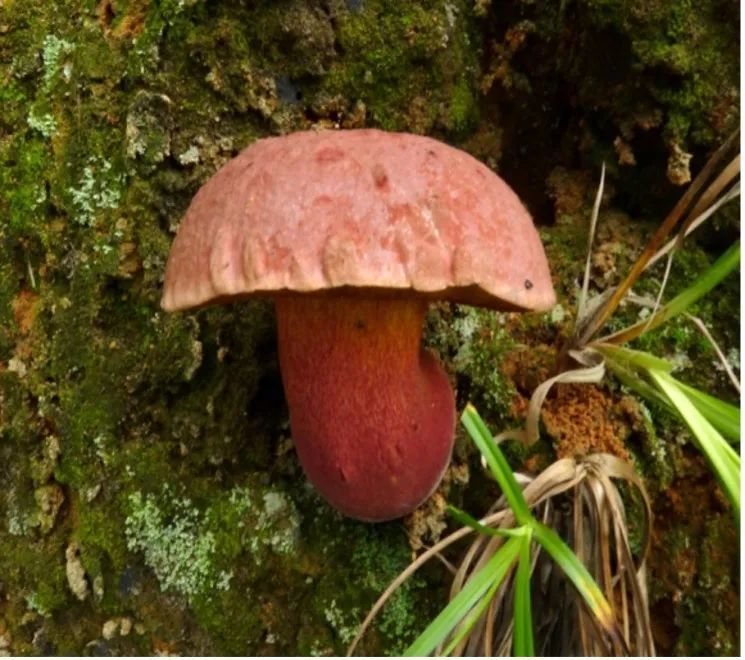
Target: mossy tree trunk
(151, 499)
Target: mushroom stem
(372, 412)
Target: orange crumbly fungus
(584, 419)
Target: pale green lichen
(35, 604)
(319, 650)
(53, 51)
(104, 447)
(148, 136)
(19, 522)
(176, 547)
(45, 124)
(188, 548)
(18, 525)
(344, 622)
(278, 524)
(557, 314)
(190, 156)
(99, 188)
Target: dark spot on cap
(528, 285)
(380, 177)
(360, 324)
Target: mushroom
(353, 233)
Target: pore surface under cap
(383, 213)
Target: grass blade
(471, 618)
(580, 577)
(640, 359)
(723, 416)
(715, 274)
(523, 645)
(584, 293)
(501, 470)
(633, 381)
(443, 624)
(723, 459)
(464, 519)
(701, 327)
(672, 219)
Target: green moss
(404, 61)
(703, 553)
(566, 249)
(654, 458)
(232, 618)
(8, 290)
(378, 555)
(28, 570)
(684, 41)
(12, 99)
(101, 537)
(23, 194)
(475, 343)
(463, 108)
(113, 115)
(378, 559)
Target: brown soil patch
(528, 366)
(24, 310)
(570, 190)
(130, 25)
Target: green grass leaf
(498, 465)
(478, 585)
(703, 284)
(522, 640)
(548, 539)
(723, 416)
(575, 570)
(622, 361)
(635, 382)
(469, 604)
(723, 459)
(630, 357)
(469, 621)
(464, 519)
(713, 276)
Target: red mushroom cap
(390, 213)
